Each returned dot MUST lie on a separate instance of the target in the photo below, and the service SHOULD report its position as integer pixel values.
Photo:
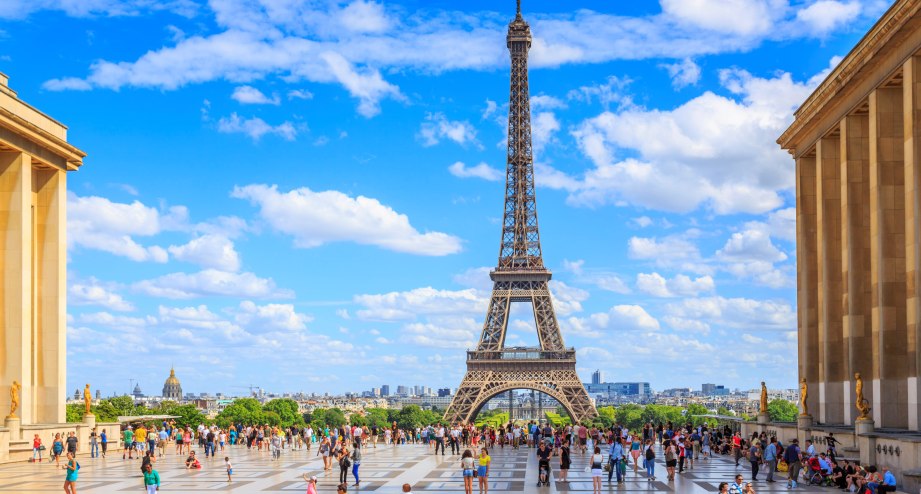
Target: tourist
(356, 459)
(635, 446)
(671, 458)
(152, 439)
(737, 447)
(810, 448)
(94, 444)
(770, 459)
(832, 445)
(128, 443)
(792, 456)
(863, 487)
(888, 484)
(229, 469)
(483, 471)
(209, 442)
(681, 444)
(705, 441)
(748, 489)
(615, 456)
(736, 487)
(650, 460)
(162, 439)
(151, 479)
(70, 479)
(57, 449)
(565, 461)
(324, 450)
(140, 439)
(72, 443)
(104, 441)
(192, 462)
(466, 465)
(342, 488)
(344, 464)
(440, 439)
(37, 449)
(596, 461)
(724, 488)
(754, 457)
(838, 476)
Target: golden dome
(172, 378)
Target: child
(229, 468)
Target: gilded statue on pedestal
(803, 393)
(14, 399)
(764, 408)
(863, 406)
(87, 399)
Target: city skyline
(248, 223)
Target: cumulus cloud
(824, 16)
(210, 251)
(681, 285)
(100, 224)
(740, 313)
(482, 170)
(255, 127)
(94, 292)
(270, 316)
(249, 95)
(683, 73)
(210, 282)
(437, 127)
(318, 218)
(421, 301)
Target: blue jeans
(650, 468)
(209, 446)
(615, 467)
(355, 470)
(94, 449)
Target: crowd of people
(613, 451)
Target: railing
(522, 354)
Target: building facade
(857, 145)
(34, 160)
(172, 388)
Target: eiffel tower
(520, 277)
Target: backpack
(345, 462)
(650, 454)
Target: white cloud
(574, 267)
(619, 317)
(824, 16)
(97, 223)
(15, 9)
(543, 126)
(299, 94)
(681, 285)
(93, 292)
(752, 244)
(567, 299)
(782, 224)
(747, 18)
(545, 101)
(457, 333)
(209, 251)
(642, 221)
(317, 218)
(731, 165)
(611, 91)
(255, 127)
(210, 282)
(684, 73)
(270, 316)
(366, 85)
(106, 319)
(739, 313)
(489, 110)
(671, 248)
(437, 127)
(421, 301)
(482, 170)
(249, 95)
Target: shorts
(582, 441)
(179, 442)
(230, 471)
(468, 472)
(596, 472)
(671, 463)
(481, 471)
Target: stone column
(887, 261)
(911, 87)
(50, 202)
(828, 246)
(855, 213)
(807, 274)
(16, 285)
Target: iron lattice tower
(520, 277)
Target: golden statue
(87, 399)
(14, 399)
(763, 398)
(803, 393)
(863, 406)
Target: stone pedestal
(863, 426)
(804, 422)
(14, 424)
(764, 418)
(89, 420)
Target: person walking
(671, 459)
(344, 463)
(37, 449)
(151, 479)
(650, 463)
(754, 456)
(311, 483)
(466, 465)
(565, 461)
(483, 471)
(792, 456)
(94, 444)
(324, 450)
(635, 446)
(615, 456)
(356, 460)
(57, 449)
(595, 462)
(104, 442)
(70, 479)
(770, 458)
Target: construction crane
(250, 388)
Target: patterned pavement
(383, 471)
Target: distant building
(137, 393)
(172, 389)
(640, 389)
(402, 391)
(597, 377)
(442, 392)
(385, 390)
(710, 389)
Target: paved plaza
(383, 470)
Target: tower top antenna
(518, 9)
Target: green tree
(358, 420)
(75, 413)
(695, 409)
(630, 416)
(724, 411)
(189, 415)
(377, 417)
(782, 410)
(410, 417)
(334, 417)
(246, 411)
(286, 409)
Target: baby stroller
(813, 473)
(543, 468)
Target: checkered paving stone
(383, 470)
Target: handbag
(41, 448)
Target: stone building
(172, 389)
(857, 145)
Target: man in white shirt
(440, 439)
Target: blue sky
(304, 195)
